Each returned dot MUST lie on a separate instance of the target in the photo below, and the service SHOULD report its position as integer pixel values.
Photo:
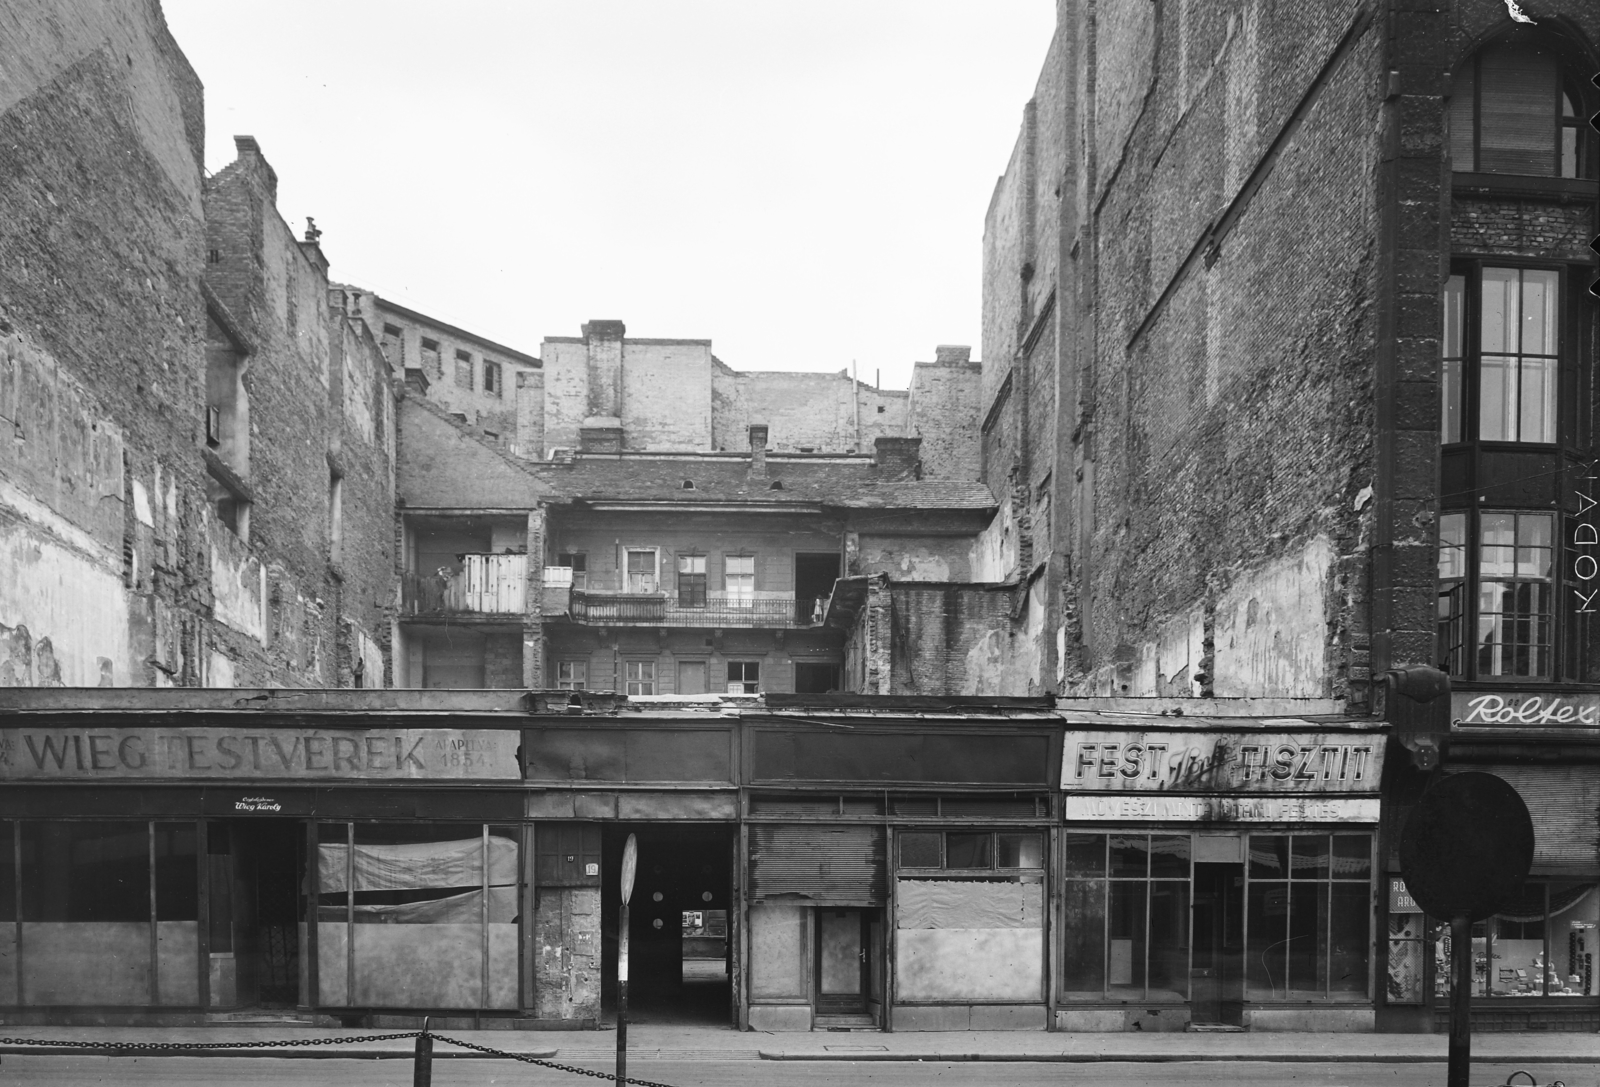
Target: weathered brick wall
(101, 349)
(1521, 228)
(666, 394)
(443, 464)
(1232, 385)
(942, 410)
(956, 640)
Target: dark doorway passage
(814, 575)
(256, 871)
(812, 678)
(1217, 968)
(679, 963)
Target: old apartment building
(644, 555)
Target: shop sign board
(205, 753)
(1516, 709)
(1222, 809)
(1222, 762)
(1400, 900)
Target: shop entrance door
(1216, 969)
(845, 955)
(256, 870)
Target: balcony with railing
(485, 585)
(768, 610)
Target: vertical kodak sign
(1586, 545)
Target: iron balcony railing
(762, 609)
(485, 585)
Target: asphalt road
(457, 1072)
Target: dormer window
(1513, 110)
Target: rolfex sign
(1222, 762)
(216, 753)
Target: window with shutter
(1514, 111)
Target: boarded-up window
(829, 866)
(964, 940)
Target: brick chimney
(603, 341)
(898, 459)
(758, 450)
(530, 414)
(248, 151)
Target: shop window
(1511, 613)
(578, 563)
(1127, 921)
(378, 882)
(1543, 944)
(744, 677)
(74, 871)
(691, 581)
(1514, 110)
(464, 369)
(572, 675)
(1501, 355)
(972, 850)
(739, 580)
(1307, 922)
(640, 677)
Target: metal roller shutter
(1565, 804)
(831, 866)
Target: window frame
(1469, 591)
(1469, 372)
(628, 551)
(1567, 89)
(465, 371)
(577, 678)
(993, 868)
(743, 596)
(639, 666)
(578, 563)
(492, 383)
(692, 585)
(751, 686)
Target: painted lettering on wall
(1222, 762)
(257, 753)
(1517, 709)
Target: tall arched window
(1515, 108)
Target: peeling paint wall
(1272, 629)
(566, 967)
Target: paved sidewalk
(646, 1041)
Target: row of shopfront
(1002, 864)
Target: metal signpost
(630, 864)
(1464, 852)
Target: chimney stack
(758, 450)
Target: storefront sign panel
(265, 753)
(1254, 762)
(1517, 710)
(1222, 809)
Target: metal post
(630, 863)
(422, 1066)
(1460, 1065)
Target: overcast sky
(803, 182)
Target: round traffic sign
(1466, 846)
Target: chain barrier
(633, 1081)
(163, 1047)
(178, 1047)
